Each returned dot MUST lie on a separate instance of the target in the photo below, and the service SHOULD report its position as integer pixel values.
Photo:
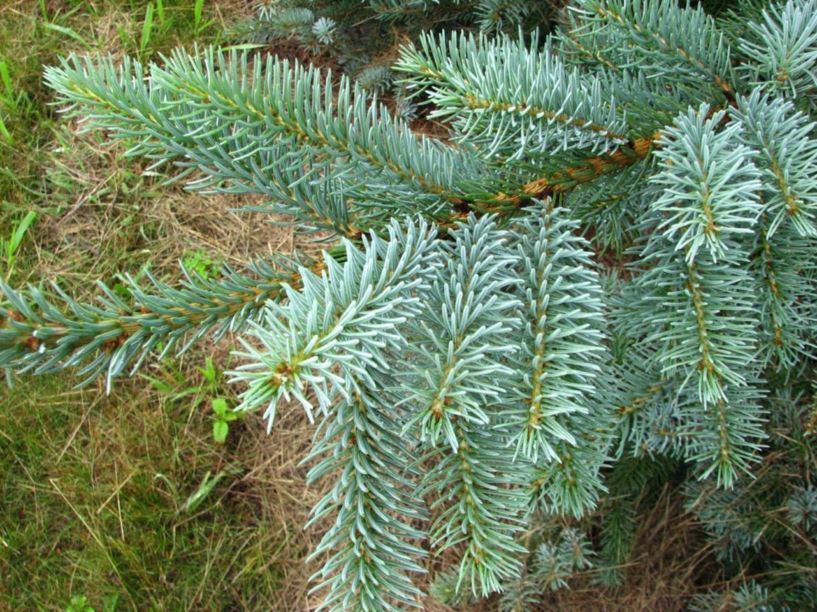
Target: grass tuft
(96, 503)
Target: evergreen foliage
(601, 277)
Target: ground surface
(125, 501)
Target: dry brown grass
(113, 219)
(668, 561)
(276, 484)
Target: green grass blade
(67, 32)
(19, 233)
(8, 97)
(5, 132)
(198, 10)
(160, 11)
(147, 29)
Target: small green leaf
(199, 263)
(220, 430)
(19, 233)
(220, 406)
(5, 77)
(209, 371)
(79, 603)
(122, 290)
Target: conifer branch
(787, 152)
(370, 540)
(462, 339)
(725, 440)
(562, 341)
(257, 124)
(782, 46)
(512, 102)
(709, 185)
(466, 326)
(657, 37)
(42, 332)
(697, 299)
(571, 484)
(471, 362)
(346, 317)
(481, 504)
(781, 265)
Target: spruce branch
(562, 341)
(698, 299)
(703, 315)
(787, 152)
(726, 439)
(481, 502)
(255, 124)
(570, 485)
(588, 169)
(46, 331)
(496, 16)
(782, 47)
(164, 123)
(322, 153)
(781, 266)
(608, 262)
(708, 185)
(345, 317)
(464, 331)
(618, 533)
(696, 302)
(329, 344)
(371, 554)
(658, 37)
(642, 396)
(510, 101)
(462, 340)
(783, 253)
